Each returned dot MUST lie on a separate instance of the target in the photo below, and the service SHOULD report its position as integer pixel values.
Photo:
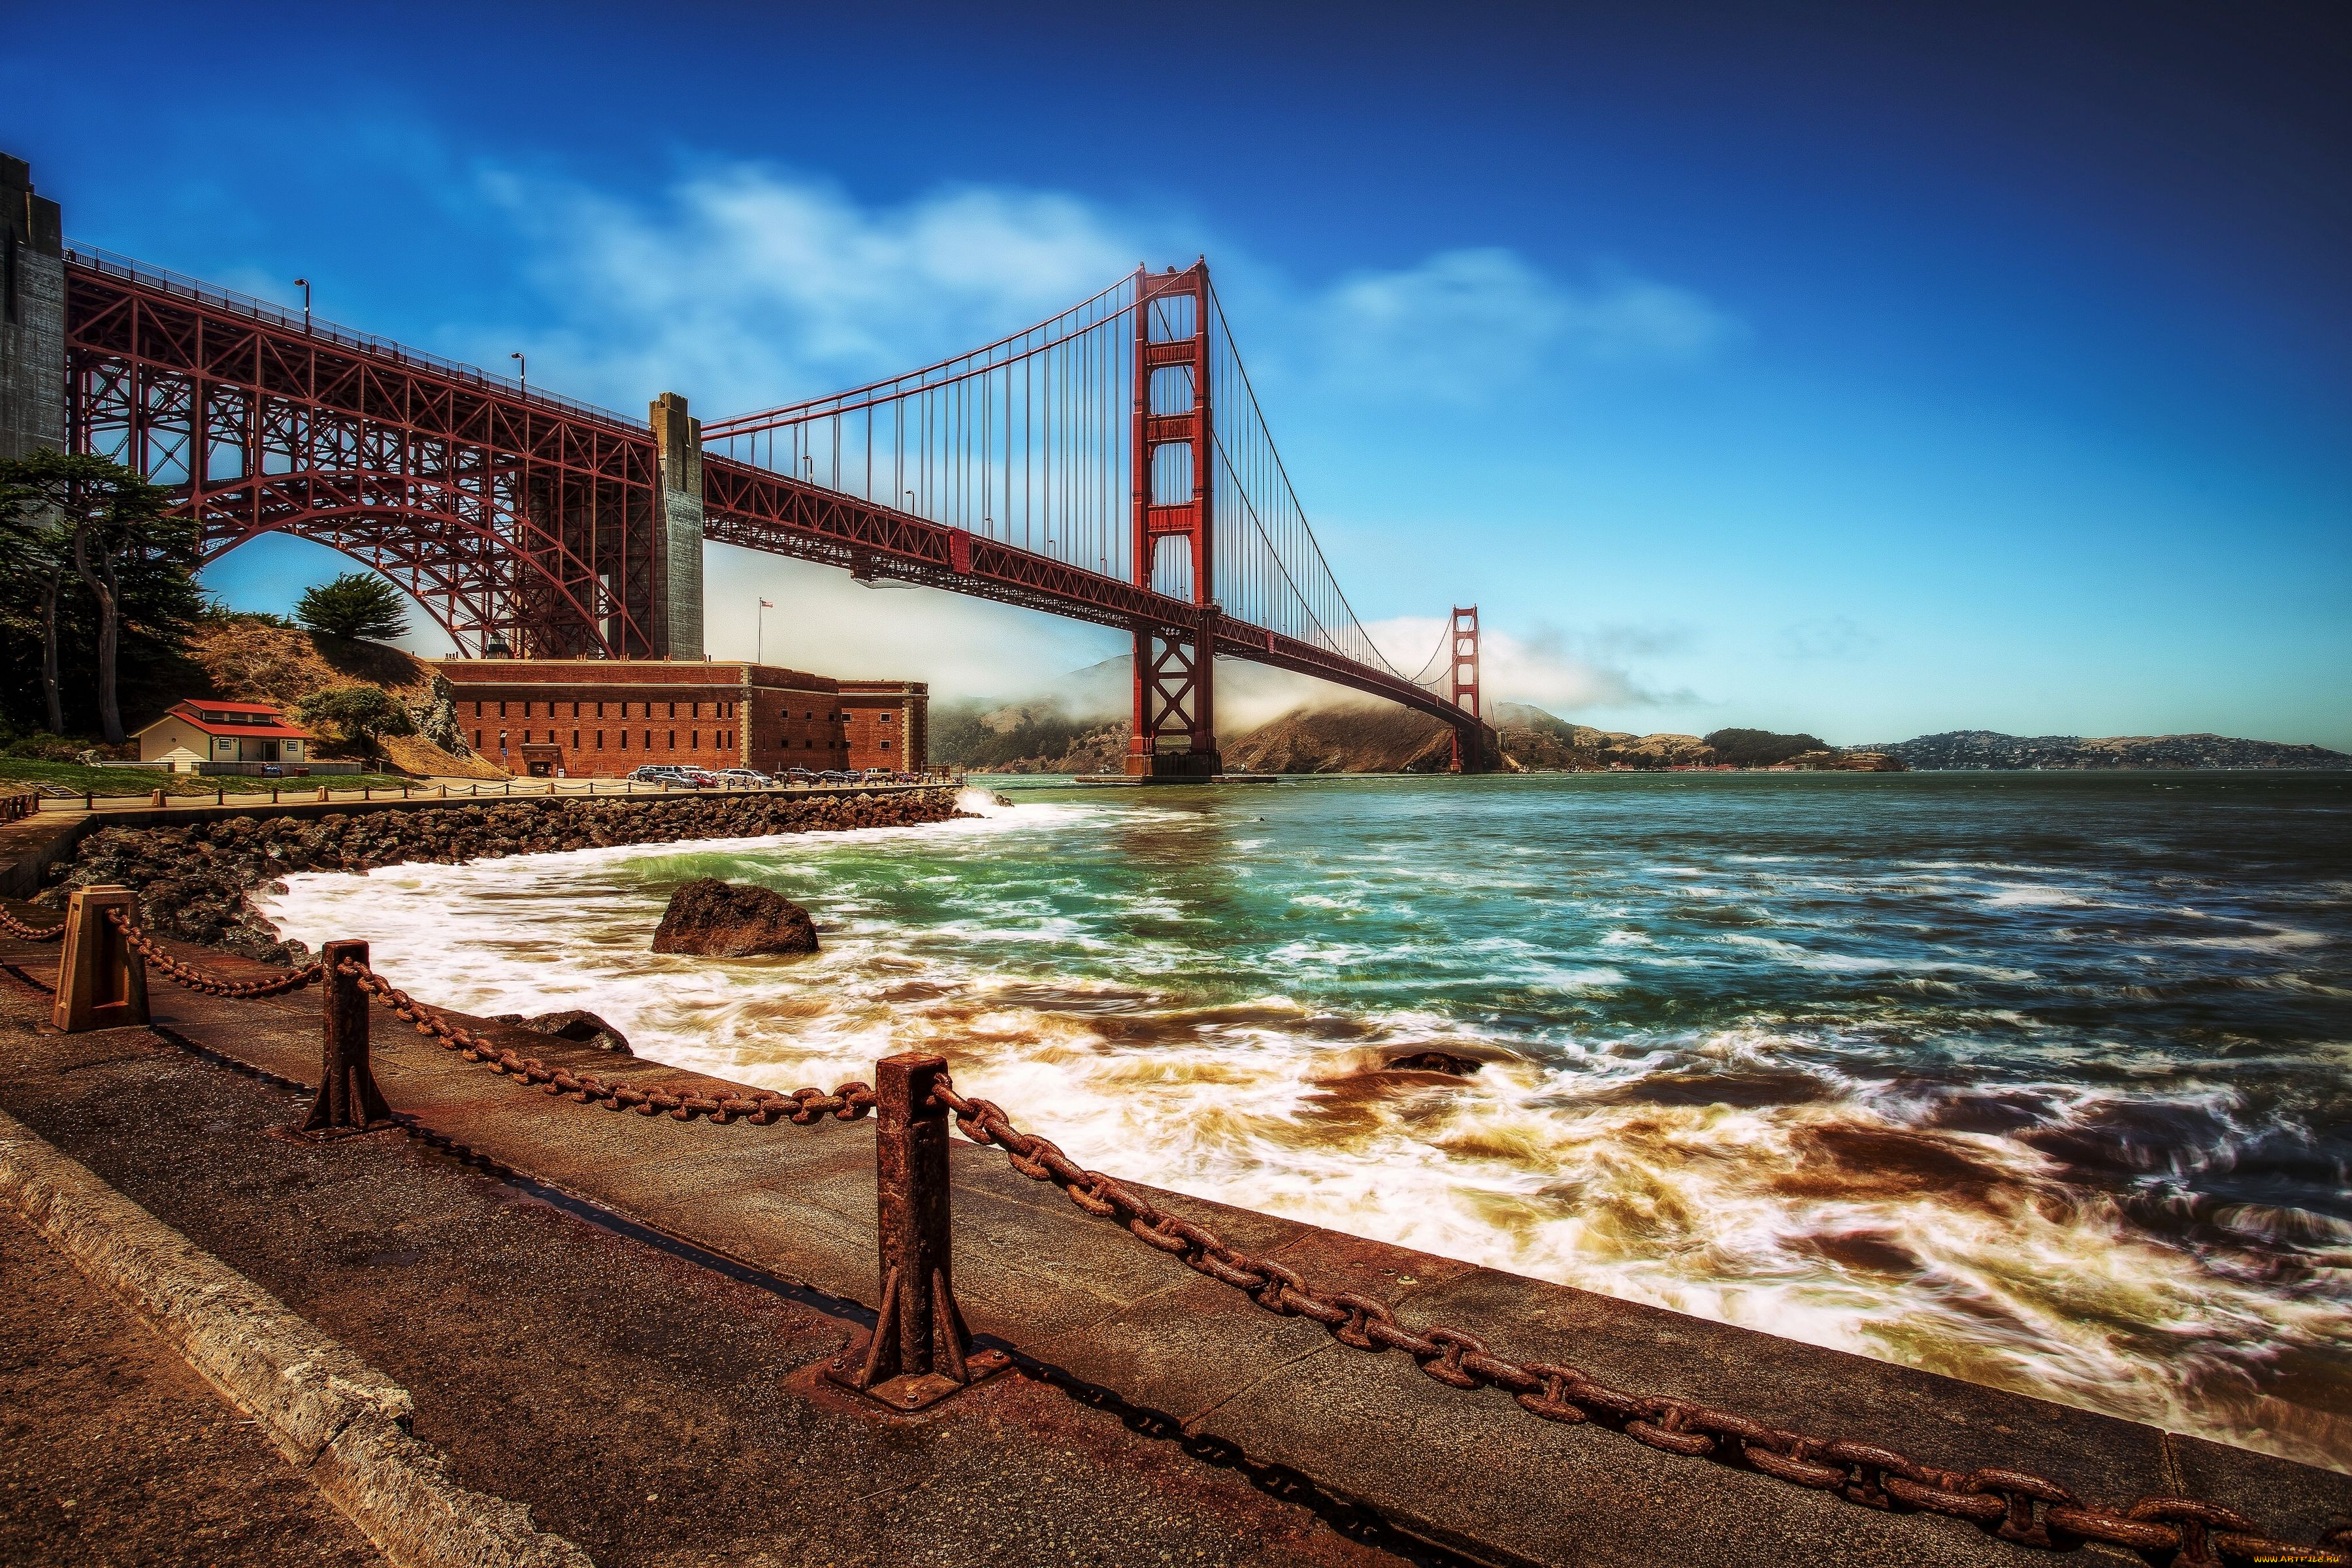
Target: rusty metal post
(920, 1351)
(349, 1100)
(102, 979)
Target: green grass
(109, 781)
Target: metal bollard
(349, 1102)
(920, 1351)
(102, 980)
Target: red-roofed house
(197, 733)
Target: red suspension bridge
(1110, 464)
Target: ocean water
(2041, 1081)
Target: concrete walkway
(113, 1451)
(1088, 1307)
(655, 1406)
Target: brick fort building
(600, 717)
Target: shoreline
(195, 881)
(640, 1220)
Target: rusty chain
(762, 1108)
(32, 934)
(195, 979)
(2016, 1505)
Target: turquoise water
(2041, 1081)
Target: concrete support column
(677, 537)
(32, 316)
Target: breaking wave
(1935, 1074)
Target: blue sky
(1869, 370)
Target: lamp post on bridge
(304, 285)
(522, 370)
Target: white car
(744, 778)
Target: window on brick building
(649, 739)
(886, 745)
(477, 709)
(600, 739)
(673, 740)
(502, 709)
(575, 737)
(694, 741)
(477, 735)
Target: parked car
(834, 775)
(651, 775)
(800, 776)
(744, 778)
(696, 778)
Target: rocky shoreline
(194, 883)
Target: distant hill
(1379, 740)
(1044, 738)
(1026, 738)
(1962, 750)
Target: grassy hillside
(257, 658)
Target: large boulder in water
(722, 920)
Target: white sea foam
(1772, 1173)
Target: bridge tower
(1171, 454)
(32, 316)
(1470, 758)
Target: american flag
(765, 606)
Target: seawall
(194, 869)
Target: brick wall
(887, 724)
(603, 718)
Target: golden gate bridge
(1110, 464)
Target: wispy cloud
(1828, 637)
(742, 284)
(1463, 323)
(1541, 667)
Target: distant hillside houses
(1965, 749)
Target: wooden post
(102, 983)
(920, 1351)
(349, 1100)
(156, 798)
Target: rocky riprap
(193, 882)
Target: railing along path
(2015, 1504)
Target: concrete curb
(338, 1420)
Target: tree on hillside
(362, 713)
(137, 559)
(355, 605)
(33, 553)
(1761, 748)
